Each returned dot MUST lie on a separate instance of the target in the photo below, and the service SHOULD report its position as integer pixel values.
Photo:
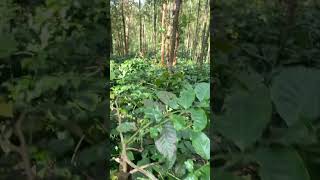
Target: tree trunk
(204, 45)
(126, 48)
(163, 38)
(174, 33)
(195, 42)
(140, 24)
(176, 49)
(155, 25)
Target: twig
(135, 149)
(77, 148)
(142, 167)
(146, 173)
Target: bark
(204, 45)
(155, 25)
(195, 42)
(176, 49)
(163, 38)
(126, 48)
(140, 24)
(174, 33)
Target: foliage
(164, 117)
(266, 110)
(51, 60)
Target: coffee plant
(160, 120)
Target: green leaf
(154, 113)
(203, 172)
(166, 144)
(201, 144)
(247, 114)
(126, 127)
(154, 132)
(199, 118)
(179, 122)
(191, 177)
(186, 98)
(165, 96)
(202, 91)
(280, 164)
(130, 155)
(295, 93)
(189, 165)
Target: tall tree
(140, 24)
(174, 32)
(195, 42)
(163, 38)
(126, 45)
(155, 25)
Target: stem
(77, 148)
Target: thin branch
(135, 149)
(146, 173)
(77, 148)
(142, 167)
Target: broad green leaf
(202, 91)
(295, 93)
(126, 127)
(191, 177)
(165, 96)
(203, 172)
(201, 144)
(280, 164)
(179, 122)
(166, 144)
(186, 98)
(247, 114)
(199, 119)
(173, 103)
(154, 113)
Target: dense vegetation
(52, 99)
(160, 90)
(266, 107)
(161, 122)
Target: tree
(174, 32)
(163, 38)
